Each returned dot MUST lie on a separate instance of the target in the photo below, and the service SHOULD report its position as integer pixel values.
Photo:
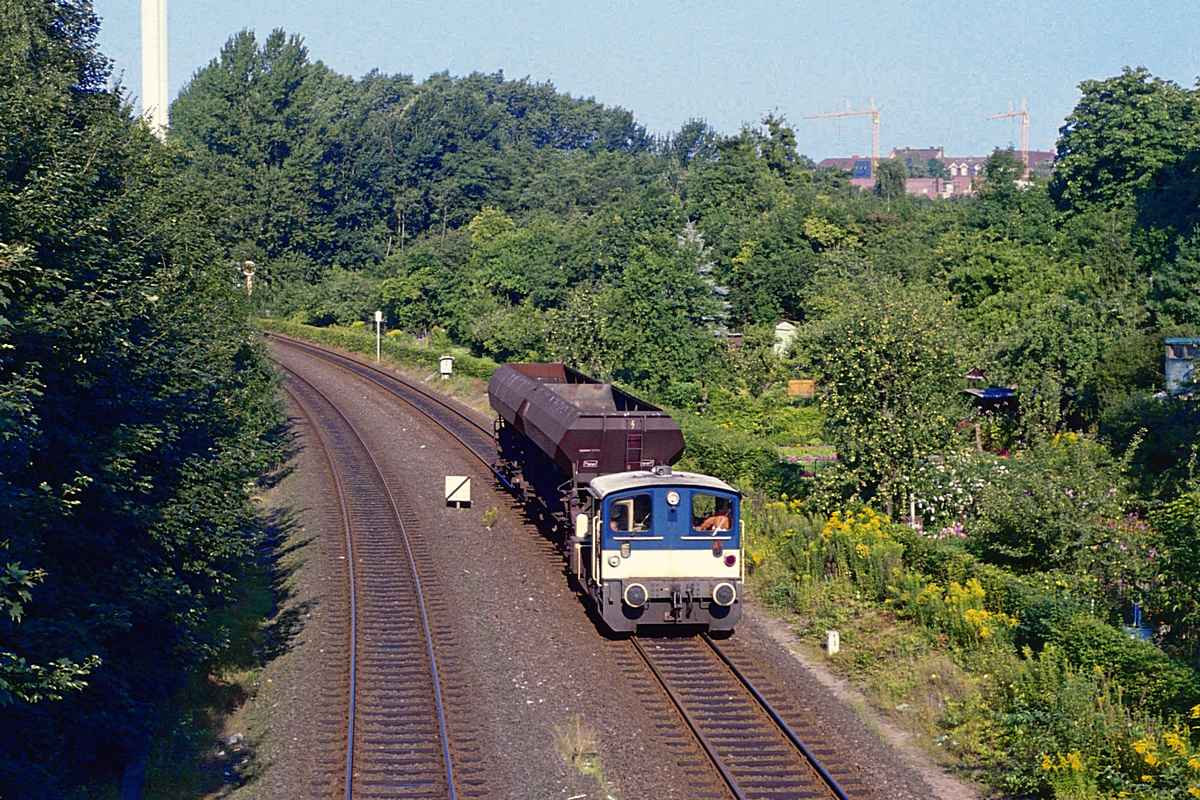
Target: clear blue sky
(935, 68)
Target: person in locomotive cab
(631, 515)
(712, 513)
(718, 521)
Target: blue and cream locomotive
(649, 545)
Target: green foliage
(1176, 296)
(889, 370)
(1146, 675)
(890, 177)
(1123, 131)
(1060, 505)
(362, 340)
(728, 455)
(1178, 570)
(135, 410)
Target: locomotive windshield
(676, 515)
(631, 514)
(712, 513)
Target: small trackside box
(586, 427)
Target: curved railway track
(746, 740)
(396, 742)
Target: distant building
(785, 334)
(1179, 364)
(962, 172)
(859, 167)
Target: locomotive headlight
(635, 595)
(724, 594)
(614, 561)
(672, 498)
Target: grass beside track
(361, 339)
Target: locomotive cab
(666, 549)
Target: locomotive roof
(620, 481)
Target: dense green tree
(890, 178)
(248, 121)
(889, 367)
(1176, 294)
(1123, 131)
(134, 406)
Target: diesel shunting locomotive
(649, 545)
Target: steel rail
(339, 360)
(345, 362)
(784, 728)
(336, 357)
(416, 581)
(341, 493)
(709, 750)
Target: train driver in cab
(719, 520)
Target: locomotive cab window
(712, 513)
(630, 514)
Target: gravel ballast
(560, 720)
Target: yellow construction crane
(875, 113)
(1023, 113)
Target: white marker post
(458, 491)
(378, 320)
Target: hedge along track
(745, 740)
(396, 740)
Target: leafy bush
(1177, 595)
(1050, 509)
(730, 456)
(1148, 676)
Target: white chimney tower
(154, 65)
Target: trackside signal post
(378, 321)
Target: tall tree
(1122, 132)
(891, 177)
(133, 409)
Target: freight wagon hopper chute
(587, 428)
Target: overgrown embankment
(1019, 671)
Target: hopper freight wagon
(592, 463)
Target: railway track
(745, 738)
(749, 743)
(396, 741)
